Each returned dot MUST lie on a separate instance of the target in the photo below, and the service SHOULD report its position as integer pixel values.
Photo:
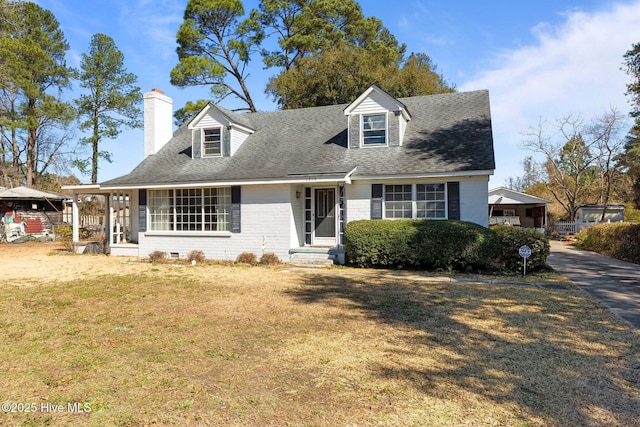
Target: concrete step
(316, 256)
(310, 259)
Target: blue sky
(540, 60)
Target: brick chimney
(158, 121)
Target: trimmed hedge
(512, 238)
(620, 240)
(431, 245)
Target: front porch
(120, 232)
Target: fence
(90, 220)
(571, 227)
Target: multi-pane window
(419, 201)
(211, 143)
(190, 209)
(430, 201)
(398, 201)
(374, 129)
(188, 206)
(216, 208)
(161, 210)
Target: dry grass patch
(220, 345)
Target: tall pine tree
(111, 102)
(630, 159)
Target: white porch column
(75, 219)
(111, 221)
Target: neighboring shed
(510, 207)
(26, 210)
(593, 213)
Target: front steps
(310, 256)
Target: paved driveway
(616, 284)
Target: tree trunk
(32, 137)
(94, 157)
(3, 158)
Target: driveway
(616, 284)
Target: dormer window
(374, 129)
(212, 143)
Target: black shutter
(376, 201)
(142, 210)
(235, 209)
(453, 200)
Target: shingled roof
(448, 133)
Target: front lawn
(226, 346)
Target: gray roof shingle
(448, 133)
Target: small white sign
(524, 251)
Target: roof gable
(222, 116)
(377, 96)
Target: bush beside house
(431, 245)
(512, 238)
(619, 240)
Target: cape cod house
(288, 181)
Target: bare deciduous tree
(578, 158)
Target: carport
(510, 207)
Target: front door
(325, 218)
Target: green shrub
(64, 235)
(620, 240)
(247, 258)
(269, 259)
(512, 238)
(631, 214)
(432, 245)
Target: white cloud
(153, 24)
(571, 68)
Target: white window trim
(202, 141)
(386, 129)
(414, 201)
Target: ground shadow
(527, 369)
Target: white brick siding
(265, 217)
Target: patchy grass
(220, 345)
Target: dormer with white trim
(215, 133)
(376, 119)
